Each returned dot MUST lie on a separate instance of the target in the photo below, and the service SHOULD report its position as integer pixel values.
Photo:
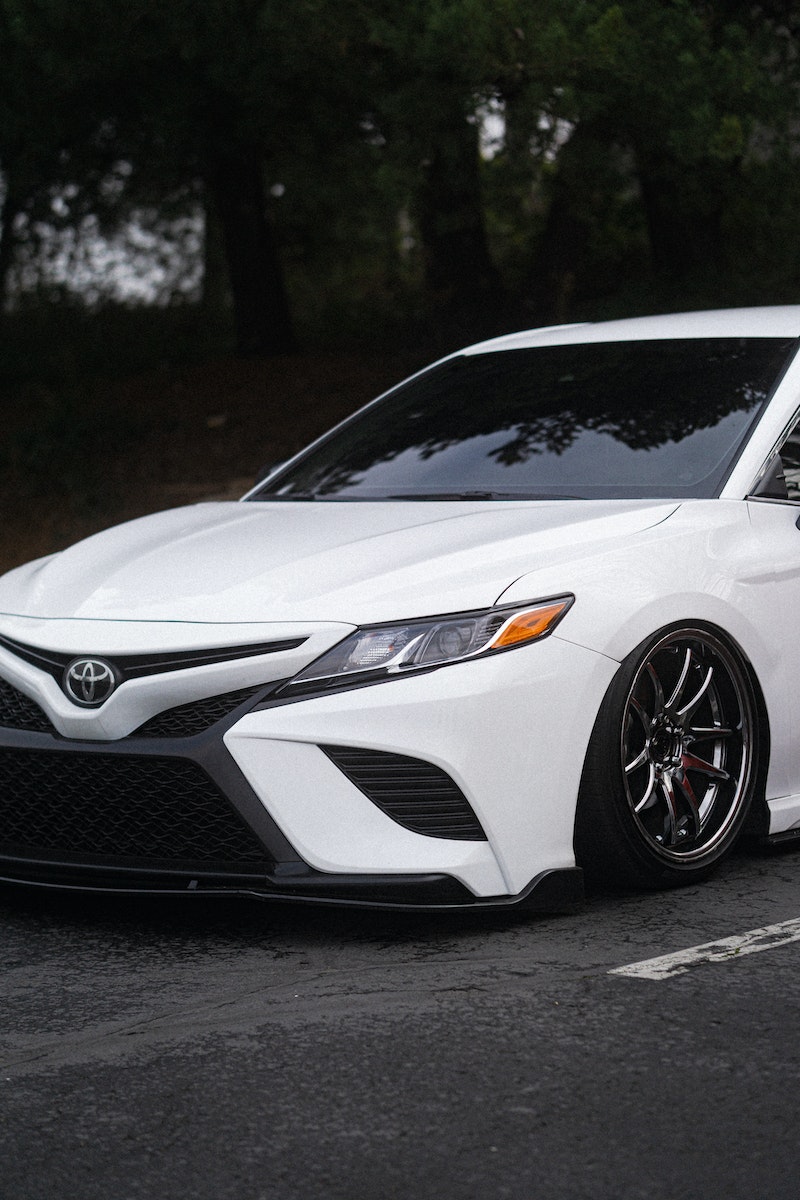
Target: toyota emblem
(90, 681)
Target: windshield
(603, 420)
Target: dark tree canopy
(335, 155)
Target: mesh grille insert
(81, 806)
(18, 711)
(415, 793)
(189, 719)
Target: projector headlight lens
(388, 651)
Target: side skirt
(784, 819)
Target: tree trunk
(579, 194)
(216, 298)
(260, 303)
(9, 213)
(684, 220)
(460, 276)
(557, 264)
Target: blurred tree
(671, 98)
(38, 124)
(638, 136)
(441, 65)
(211, 92)
(194, 100)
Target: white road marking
(723, 951)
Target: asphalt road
(240, 1052)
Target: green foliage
(639, 138)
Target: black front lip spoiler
(553, 891)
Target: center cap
(89, 681)
(666, 744)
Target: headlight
(389, 651)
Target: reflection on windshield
(597, 420)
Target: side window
(790, 457)
(781, 477)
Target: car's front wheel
(672, 764)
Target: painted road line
(723, 951)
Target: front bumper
(552, 891)
(234, 794)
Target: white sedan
(531, 614)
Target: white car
(532, 613)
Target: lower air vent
(81, 807)
(18, 711)
(415, 793)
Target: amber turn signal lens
(526, 626)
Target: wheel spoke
(657, 688)
(641, 758)
(686, 713)
(690, 762)
(699, 734)
(671, 824)
(679, 686)
(683, 783)
(638, 708)
(649, 792)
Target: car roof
(782, 321)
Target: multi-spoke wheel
(673, 762)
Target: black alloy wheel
(673, 762)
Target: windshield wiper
(476, 494)
(308, 496)
(481, 495)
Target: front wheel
(672, 764)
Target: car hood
(305, 561)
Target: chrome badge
(89, 681)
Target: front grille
(415, 793)
(18, 711)
(78, 806)
(190, 719)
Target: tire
(672, 764)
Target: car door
(775, 517)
